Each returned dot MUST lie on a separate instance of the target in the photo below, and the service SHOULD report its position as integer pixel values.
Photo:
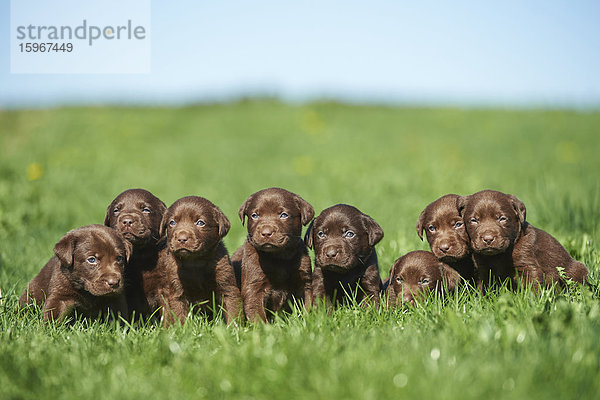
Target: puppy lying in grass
(197, 272)
(346, 265)
(416, 274)
(85, 276)
(506, 247)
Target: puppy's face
(343, 237)
(137, 214)
(194, 226)
(494, 220)
(93, 257)
(275, 219)
(416, 274)
(445, 229)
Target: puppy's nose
(331, 253)
(113, 281)
(266, 232)
(407, 298)
(444, 247)
(182, 237)
(128, 221)
(488, 238)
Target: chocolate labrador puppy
(273, 263)
(85, 275)
(505, 246)
(346, 267)
(417, 273)
(197, 271)
(137, 214)
(447, 236)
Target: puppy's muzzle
(490, 243)
(448, 249)
(408, 299)
(183, 241)
(331, 253)
(112, 282)
(130, 224)
(334, 259)
(444, 247)
(268, 237)
(108, 284)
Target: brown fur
(84, 276)
(273, 263)
(345, 266)
(137, 214)
(195, 263)
(506, 247)
(417, 273)
(447, 236)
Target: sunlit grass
(61, 168)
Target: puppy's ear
(128, 249)
(308, 236)
(161, 208)
(450, 276)
(65, 248)
(392, 272)
(224, 224)
(243, 211)
(109, 213)
(163, 224)
(390, 291)
(519, 208)
(420, 223)
(461, 203)
(307, 212)
(158, 212)
(374, 230)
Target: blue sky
(507, 53)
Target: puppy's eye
(349, 234)
(91, 260)
(254, 216)
(398, 279)
(424, 281)
(172, 223)
(116, 211)
(458, 224)
(146, 210)
(321, 234)
(431, 228)
(474, 220)
(200, 223)
(120, 259)
(283, 215)
(502, 218)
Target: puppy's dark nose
(113, 281)
(487, 238)
(182, 237)
(128, 221)
(407, 298)
(444, 247)
(331, 253)
(266, 232)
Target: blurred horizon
(467, 54)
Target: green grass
(60, 168)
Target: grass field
(60, 168)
